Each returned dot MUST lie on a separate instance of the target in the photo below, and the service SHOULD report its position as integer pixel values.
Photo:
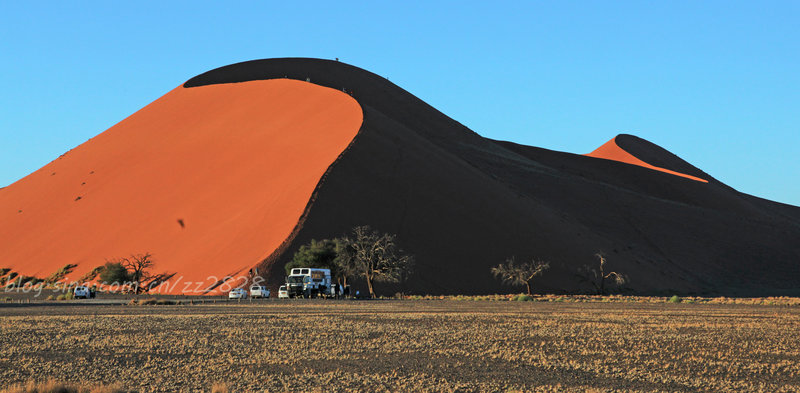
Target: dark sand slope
(462, 203)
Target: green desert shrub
(60, 273)
(114, 272)
(675, 299)
(91, 275)
(66, 296)
(31, 280)
(320, 254)
(522, 298)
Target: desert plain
(405, 345)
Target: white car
(258, 291)
(83, 291)
(237, 293)
(282, 292)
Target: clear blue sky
(717, 83)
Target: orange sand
(611, 151)
(236, 163)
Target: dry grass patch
(763, 301)
(390, 346)
(58, 387)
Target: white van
(83, 291)
(259, 292)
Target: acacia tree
(519, 274)
(598, 277)
(114, 272)
(134, 271)
(319, 254)
(345, 261)
(375, 256)
(138, 266)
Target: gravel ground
(405, 345)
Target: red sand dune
(611, 151)
(245, 164)
(210, 180)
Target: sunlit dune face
(611, 151)
(210, 180)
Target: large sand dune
(237, 153)
(209, 180)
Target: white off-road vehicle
(309, 282)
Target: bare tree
(345, 260)
(138, 266)
(375, 256)
(598, 277)
(135, 270)
(512, 274)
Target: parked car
(83, 291)
(259, 292)
(237, 293)
(283, 293)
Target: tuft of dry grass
(52, 386)
(153, 302)
(219, 387)
(66, 296)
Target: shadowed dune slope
(462, 203)
(209, 180)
